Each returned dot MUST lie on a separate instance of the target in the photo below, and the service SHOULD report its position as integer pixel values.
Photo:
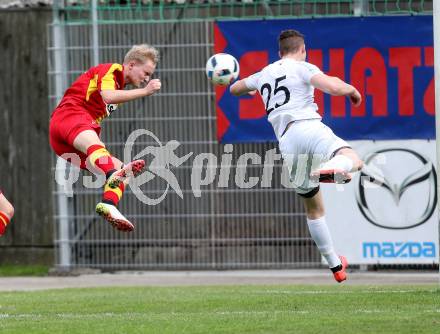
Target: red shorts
(66, 123)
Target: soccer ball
(222, 69)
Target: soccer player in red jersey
(6, 213)
(75, 123)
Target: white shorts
(304, 147)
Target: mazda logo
(401, 193)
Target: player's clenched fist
(356, 98)
(153, 86)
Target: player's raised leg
(317, 224)
(6, 213)
(107, 208)
(99, 158)
(338, 168)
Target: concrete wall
(25, 158)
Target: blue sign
(390, 60)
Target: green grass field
(21, 270)
(235, 309)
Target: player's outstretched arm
(121, 96)
(239, 88)
(337, 87)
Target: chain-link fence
(159, 10)
(227, 226)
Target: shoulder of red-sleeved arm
(110, 68)
(107, 79)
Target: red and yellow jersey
(85, 92)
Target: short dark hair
(290, 41)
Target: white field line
(137, 315)
(335, 292)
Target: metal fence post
(436, 18)
(95, 32)
(360, 7)
(64, 207)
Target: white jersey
(286, 91)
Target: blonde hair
(141, 53)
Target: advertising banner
(389, 59)
(388, 213)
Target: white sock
(321, 235)
(339, 162)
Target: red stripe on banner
(336, 69)
(222, 121)
(315, 57)
(429, 96)
(250, 63)
(368, 73)
(405, 59)
(220, 41)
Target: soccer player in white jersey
(311, 150)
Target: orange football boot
(339, 271)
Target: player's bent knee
(310, 194)
(357, 163)
(351, 154)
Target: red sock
(113, 196)
(4, 221)
(100, 158)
